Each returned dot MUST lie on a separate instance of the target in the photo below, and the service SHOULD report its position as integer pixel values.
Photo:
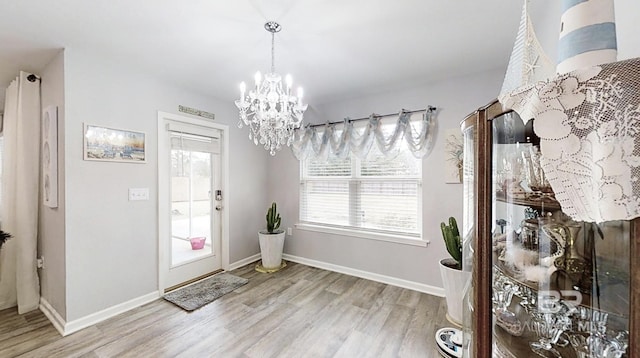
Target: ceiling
(334, 48)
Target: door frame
(164, 207)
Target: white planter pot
(454, 282)
(271, 246)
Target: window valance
(338, 139)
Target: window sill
(398, 239)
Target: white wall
(455, 98)
(111, 243)
(51, 230)
(627, 28)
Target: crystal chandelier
(270, 111)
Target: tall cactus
(273, 219)
(451, 237)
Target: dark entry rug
(205, 291)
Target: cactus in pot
(4, 236)
(451, 237)
(273, 219)
(454, 279)
(271, 243)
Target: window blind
(191, 142)
(378, 194)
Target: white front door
(190, 228)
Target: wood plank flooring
(300, 311)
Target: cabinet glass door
(468, 228)
(560, 288)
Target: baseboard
(86, 321)
(244, 262)
(53, 315)
(420, 287)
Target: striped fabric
(587, 34)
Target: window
(377, 195)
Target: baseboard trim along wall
(52, 315)
(66, 328)
(420, 287)
(244, 262)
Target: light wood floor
(300, 311)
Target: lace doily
(588, 122)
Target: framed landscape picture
(114, 145)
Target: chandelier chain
(273, 53)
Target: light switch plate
(138, 194)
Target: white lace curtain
(321, 141)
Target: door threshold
(166, 290)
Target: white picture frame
(49, 160)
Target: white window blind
(377, 194)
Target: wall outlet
(40, 262)
(289, 231)
(138, 194)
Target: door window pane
(191, 204)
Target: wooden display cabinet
(542, 284)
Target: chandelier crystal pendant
(269, 110)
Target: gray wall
(51, 230)
(456, 98)
(112, 243)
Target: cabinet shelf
(533, 200)
(511, 346)
(616, 302)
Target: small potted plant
(271, 242)
(4, 236)
(453, 278)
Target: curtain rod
(429, 108)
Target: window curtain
(19, 283)
(419, 140)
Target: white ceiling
(334, 48)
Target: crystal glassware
(549, 326)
